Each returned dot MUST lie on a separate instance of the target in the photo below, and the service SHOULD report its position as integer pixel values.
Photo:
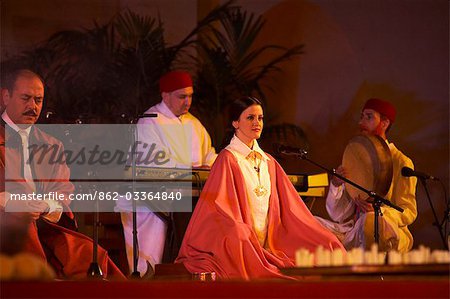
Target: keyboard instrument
(305, 184)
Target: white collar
(240, 147)
(162, 107)
(10, 123)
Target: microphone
(135, 119)
(145, 115)
(289, 150)
(408, 172)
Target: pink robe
(220, 236)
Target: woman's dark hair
(235, 110)
(239, 105)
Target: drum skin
(368, 163)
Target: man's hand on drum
(337, 181)
(363, 203)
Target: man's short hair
(11, 78)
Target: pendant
(260, 191)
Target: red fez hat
(383, 107)
(175, 80)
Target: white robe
(186, 144)
(358, 230)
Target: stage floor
(406, 287)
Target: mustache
(30, 113)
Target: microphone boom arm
(304, 156)
(377, 200)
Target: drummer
(353, 218)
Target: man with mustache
(353, 218)
(50, 222)
(185, 144)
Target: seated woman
(249, 220)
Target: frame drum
(368, 163)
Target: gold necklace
(260, 190)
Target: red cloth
(175, 80)
(69, 252)
(220, 237)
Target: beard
(378, 130)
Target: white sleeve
(55, 211)
(203, 153)
(149, 139)
(209, 152)
(339, 205)
(53, 215)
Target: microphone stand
(436, 221)
(377, 199)
(135, 273)
(94, 270)
(134, 137)
(446, 221)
